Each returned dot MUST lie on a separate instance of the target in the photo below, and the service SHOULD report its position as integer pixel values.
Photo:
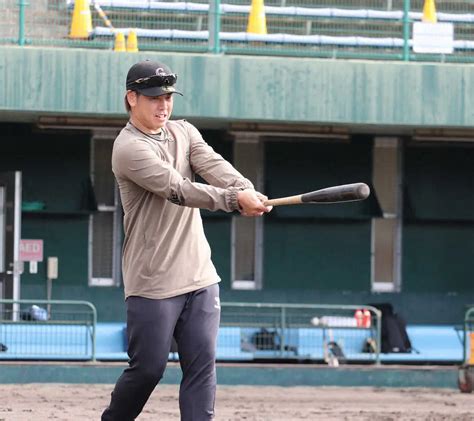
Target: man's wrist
(233, 198)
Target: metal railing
(47, 329)
(372, 29)
(468, 348)
(466, 370)
(330, 333)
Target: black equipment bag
(266, 340)
(394, 334)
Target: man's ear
(132, 98)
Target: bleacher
(311, 26)
(371, 29)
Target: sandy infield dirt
(71, 402)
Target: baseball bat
(337, 194)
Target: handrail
(63, 302)
(284, 306)
(347, 41)
(326, 12)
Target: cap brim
(158, 90)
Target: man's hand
(251, 203)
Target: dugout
(312, 124)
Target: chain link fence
(371, 29)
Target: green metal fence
(373, 29)
(331, 333)
(42, 329)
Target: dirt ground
(68, 402)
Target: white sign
(33, 266)
(434, 38)
(31, 250)
(52, 268)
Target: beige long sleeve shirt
(165, 251)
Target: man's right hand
(251, 203)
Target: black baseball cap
(151, 78)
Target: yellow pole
(81, 25)
(257, 23)
(429, 12)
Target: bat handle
(291, 200)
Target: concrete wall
(37, 81)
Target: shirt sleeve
(138, 162)
(211, 166)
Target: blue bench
(431, 344)
(229, 345)
(443, 344)
(110, 342)
(51, 341)
(351, 340)
(38, 340)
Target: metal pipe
(283, 328)
(17, 264)
(21, 22)
(468, 323)
(378, 343)
(214, 26)
(406, 30)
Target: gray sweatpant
(193, 320)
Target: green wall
(317, 254)
(79, 82)
(55, 165)
(438, 235)
(439, 183)
(438, 257)
(311, 254)
(55, 171)
(300, 166)
(306, 246)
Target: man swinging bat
(171, 285)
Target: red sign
(31, 250)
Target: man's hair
(127, 105)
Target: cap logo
(160, 71)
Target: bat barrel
(344, 193)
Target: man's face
(152, 112)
